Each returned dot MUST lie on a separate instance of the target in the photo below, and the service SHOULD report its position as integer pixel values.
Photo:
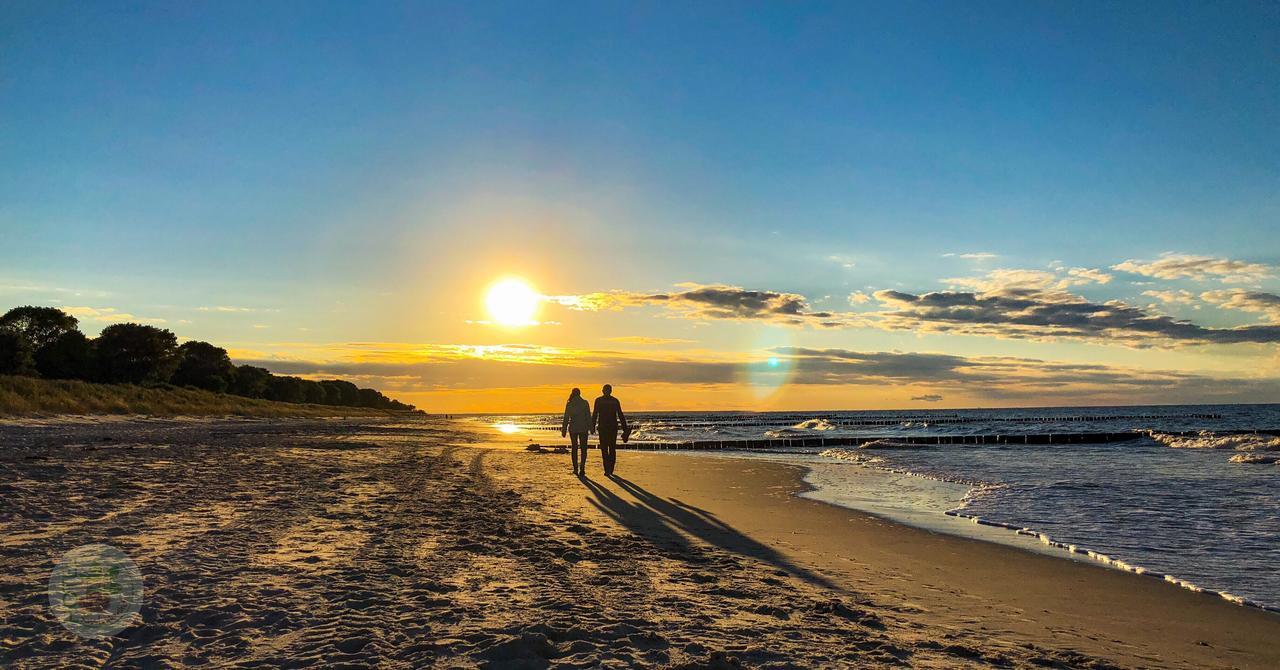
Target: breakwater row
(908, 441)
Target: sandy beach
(371, 543)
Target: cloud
(928, 397)
(419, 368)
(108, 315)
(859, 298)
(1267, 304)
(973, 256)
(1034, 313)
(711, 302)
(1086, 275)
(1000, 376)
(1005, 303)
(1059, 278)
(1200, 268)
(641, 339)
(1178, 297)
(843, 261)
(233, 309)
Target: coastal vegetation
(48, 365)
(32, 396)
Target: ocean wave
(1248, 444)
(1264, 459)
(805, 426)
(1207, 439)
(891, 444)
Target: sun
(512, 302)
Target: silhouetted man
(606, 419)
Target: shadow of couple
(671, 524)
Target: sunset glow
(512, 302)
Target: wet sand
(349, 543)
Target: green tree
(70, 356)
(131, 353)
(39, 326)
(15, 354)
(250, 381)
(314, 392)
(371, 398)
(332, 394)
(205, 366)
(285, 389)
(348, 395)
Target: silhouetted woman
(577, 422)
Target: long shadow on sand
(670, 523)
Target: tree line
(47, 342)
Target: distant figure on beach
(606, 419)
(577, 423)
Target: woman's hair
(575, 393)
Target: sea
(1193, 497)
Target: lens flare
(770, 374)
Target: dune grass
(29, 396)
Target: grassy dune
(27, 396)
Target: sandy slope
(348, 544)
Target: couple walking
(604, 420)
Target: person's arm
(622, 419)
(595, 415)
(564, 425)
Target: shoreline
(1083, 593)
(1051, 547)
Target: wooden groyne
(922, 440)
(895, 421)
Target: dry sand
(349, 543)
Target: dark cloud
(1037, 313)
(1184, 266)
(925, 374)
(928, 397)
(713, 301)
(1023, 304)
(1258, 302)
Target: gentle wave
(979, 489)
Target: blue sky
(359, 174)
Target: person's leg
(608, 441)
(574, 438)
(580, 462)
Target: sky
(731, 206)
